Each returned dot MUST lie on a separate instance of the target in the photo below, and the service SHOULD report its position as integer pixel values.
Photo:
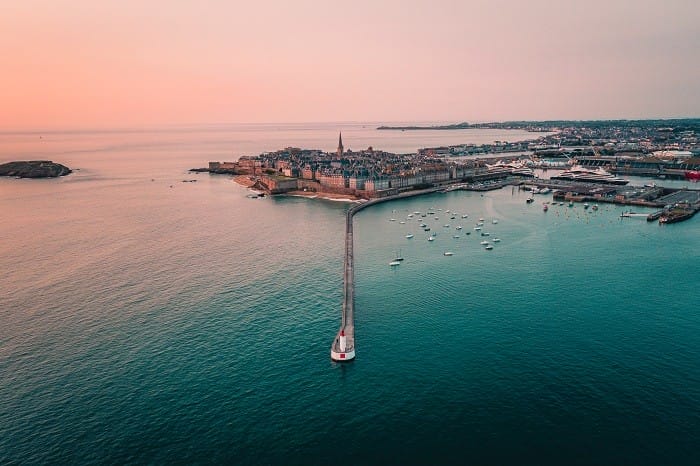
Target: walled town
(663, 149)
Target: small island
(34, 169)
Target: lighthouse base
(342, 356)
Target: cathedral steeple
(340, 144)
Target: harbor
(343, 346)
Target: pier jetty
(343, 347)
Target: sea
(149, 319)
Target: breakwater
(343, 347)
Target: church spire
(340, 144)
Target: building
(340, 144)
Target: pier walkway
(343, 347)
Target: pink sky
(108, 62)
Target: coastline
(245, 181)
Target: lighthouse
(342, 342)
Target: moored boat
(586, 175)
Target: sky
(106, 63)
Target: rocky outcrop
(34, 169)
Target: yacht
(448, 253)
(488, 247)
(516, 167)
(394, 263)
(458, 227)
(497, 240)
(484, 243)
(431, 238)
(586, 175)
(409, 236)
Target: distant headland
(34, 169)
(555, 125)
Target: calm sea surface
(148, 321)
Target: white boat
(483, 233)
(484, 243)
(497, 240)
(431, 238)
(458, 227)
(394, 263)
(586, 175)
(465, 216)
(447, 225)
(477, 228)
(402, 222)
(494, 221)
(409, 236)
(545, 191)
(455, 236)
(488, 247)
(515, 167)
(448, 253)
(392, 219)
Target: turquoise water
(144, 323)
